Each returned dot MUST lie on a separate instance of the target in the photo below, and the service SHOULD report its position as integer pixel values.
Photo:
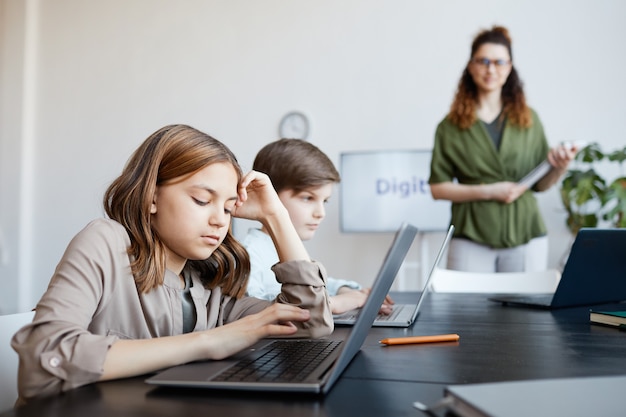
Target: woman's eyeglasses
(486, 62)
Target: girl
(162, 281)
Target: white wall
(83, 82)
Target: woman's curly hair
(463, 110)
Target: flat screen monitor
(381, 189)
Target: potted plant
(588, 197)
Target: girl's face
(306, 208)
(192, 214)
(490, 67)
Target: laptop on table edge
(572, 396)
(202, 374)
(595, 273)
(403, 315)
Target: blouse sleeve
(441, 168)
(57, 352)
(303, 285)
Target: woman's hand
(560, 156)
(505, 191)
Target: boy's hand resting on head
(348, 299)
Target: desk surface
(497, 343)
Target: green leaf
(618, 155)
(616, 200)
(590, 153)
(585, 194)
(583, 186)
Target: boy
(303, 176)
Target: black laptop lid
(595, 272)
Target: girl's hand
(257, 197)
(139, 356)
(276, 320)
(259, 201)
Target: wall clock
(294, 125)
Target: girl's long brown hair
(463, 110)
(172, 152)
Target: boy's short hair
(295, 164)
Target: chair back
(448, 280)
(9, 325)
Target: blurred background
(83, 82)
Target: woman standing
(489, 140)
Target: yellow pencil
(420, 339)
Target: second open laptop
(593, 274)
(250, 369)
(403, 315)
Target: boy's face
(306, 208)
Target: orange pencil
(420, 339)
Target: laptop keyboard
(282, 360)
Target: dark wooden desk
(497, 344)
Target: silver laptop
(247, 370)
(595, 273)
(582, 397)
(402, 315)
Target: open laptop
(319, 379)
(595, 273)
(403, 315)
